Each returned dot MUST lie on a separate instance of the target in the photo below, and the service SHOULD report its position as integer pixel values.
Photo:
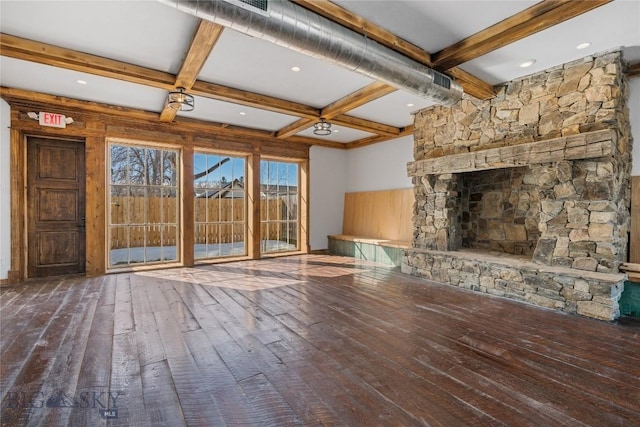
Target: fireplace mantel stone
(542, 170)
(587, 145)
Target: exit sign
(52, 120)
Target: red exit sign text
(52, 120)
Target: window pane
(279, 207)
(219, 205)
(119, 165)
(144, 197)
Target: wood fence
(216, 220)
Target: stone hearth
(527, 195)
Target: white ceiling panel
(224, 112)
(338, 134)
(434, 24)
(144, 33)
(259, 66)
(610, 26)
(395, 109)
(15, 73)
(154, 35)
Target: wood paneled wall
(96, 127)
(634, 239)
(379, 214)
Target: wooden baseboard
(14, 277)
(4, 282)
(319, 252)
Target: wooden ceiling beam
(356, 99)
(536, 18)
(204, 39)
(317, 142)
(471, 84)
(378, 138)
(38, 100)
(360, 97)
(295, 127)
(42, 53)
(252, 99)
(365, 125)
(633, 70)
(360, 25)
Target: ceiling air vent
(257, 6)
(441, 80)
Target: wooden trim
(536, 18)
(253, 208)
(304, 195)
(18, 168)
(633, 70)
(188, 215)
(4, 282)
(96, 205)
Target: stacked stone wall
(583, 205)
(500, 211)
(569, 214)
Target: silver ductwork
(294, 27)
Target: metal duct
(294, 27)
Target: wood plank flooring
(305, 340)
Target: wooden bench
(632, 270)
(376, 226)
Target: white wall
(5, 190)
(328, 169)
(380, 166)
(634, 113)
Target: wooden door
(56, 207)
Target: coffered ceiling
(131, 53)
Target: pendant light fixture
(179, 100)
(322, 128)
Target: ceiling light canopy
(179, 100)
(322, 128)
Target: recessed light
(82, 82)
(527, 63)
(242, 113)
(295, 69)
(336, 131)
(409, 105)
(583, 45)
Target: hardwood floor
(307, 340)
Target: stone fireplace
(527, 195)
